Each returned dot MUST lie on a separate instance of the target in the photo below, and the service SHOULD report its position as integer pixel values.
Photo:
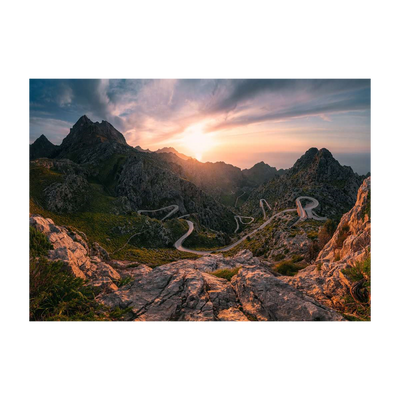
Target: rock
(359, 225)
(68, 196)
(70, 248)
(135, 272)
(325, 281)
(170, 293)
(183, 290)
(266, 298)
(99, 251)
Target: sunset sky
(241, 122)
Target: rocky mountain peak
(173, 151)
(320, 165)
(84, 120)
(86, 134)
(306, 159)
(42, 139)
(42, 147)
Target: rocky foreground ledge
(184, 290)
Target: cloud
(54, 129)
(155, 110)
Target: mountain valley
(87, 196)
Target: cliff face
(352, 238)
(328, 280)
(147, 185)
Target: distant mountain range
(164, 150)
(96, 153)
(315, 174)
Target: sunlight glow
(197, 142)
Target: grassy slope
(98, 222)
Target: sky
(239, 121)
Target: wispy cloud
(153, 112)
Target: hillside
(261, 173)
(315, 174)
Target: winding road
(304, 213)
(238, 218)
(307, 211)
(262, 207)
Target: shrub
(369, 209)
(57, 295)
(279, 257)
(344, 233)
(297, 258)
(326, 233)
(358, 303)
(226, 273)
(288, 268)
(312, 235)
(39, 245)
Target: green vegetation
(369, 209)
(227, 274)
(292, 266)
(109, 169)
(326, 232)
(279, 257)
(202, 238)
(41, 177)
(288, 268)
(358, 302)
(312, 235)
(39, 245)
(344, 233)
(98, 220)
(297, 258)
(153, 257)
(56, 295)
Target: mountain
(173, 151)
(261, 173)
(316, 174)
(93, 143)
(42, 147)
(220, 180)
(138, 148)
(150, 180)
(86, 134)
(99, 159)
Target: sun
(197, 142)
